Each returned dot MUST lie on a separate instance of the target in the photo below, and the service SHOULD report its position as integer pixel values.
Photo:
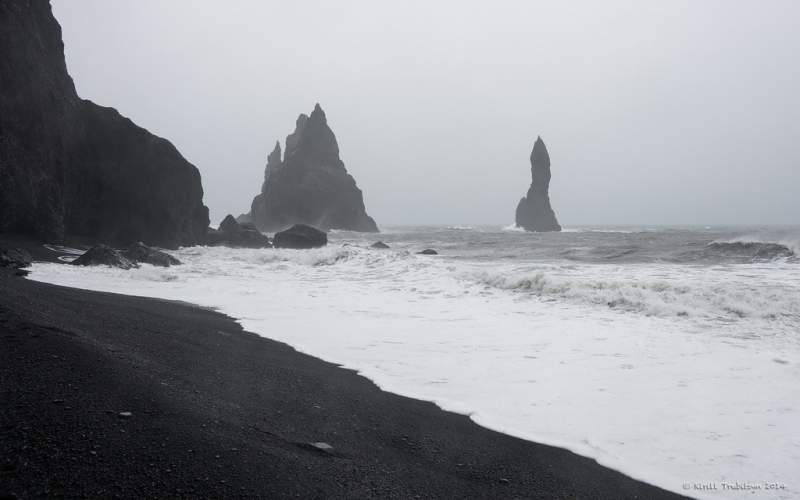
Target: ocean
(671, 354)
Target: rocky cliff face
(39, 120)
(534, 212)
(127, 185)
(311, 185)
(68, 166)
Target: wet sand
(217, 412)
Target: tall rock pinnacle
(311, 185)
(273, 160)
(534, 212)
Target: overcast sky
(653, 112)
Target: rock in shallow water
(379, 244)
(428, 251)
(102, 255)
(139, 252)
(232, 233)
(300, 236)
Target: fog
(653, 112)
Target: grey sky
(653, 112)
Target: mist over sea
(670, 354)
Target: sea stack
(71, 167)
(310, 186)
(534, 212)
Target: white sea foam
(513, 227)
(533, 349)
(600, 230)
(652, 290)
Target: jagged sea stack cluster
(534, 212)
(310, 185)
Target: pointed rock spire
(273, 160)
(317, 141)
(534, 212)
(294, 138)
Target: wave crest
(755, 249)
(653, 298)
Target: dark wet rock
(14, 257)
(379, 244)
(161, 259)
(69, 166)
(139, 252)
(231, 233)
(216, 237)
(229, 225)
(254, 239)
(428, 251)
(244, 218)
(300, 236)
(534, 212)
(311, 185)
(102, 255)
(235, 240)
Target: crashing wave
(513, 227)
(756, 250)
(651, 297)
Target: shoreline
(218, 411)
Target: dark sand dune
(217, 412)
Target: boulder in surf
(232, 233)
(139, 252)
(301, 236)
(102, 255)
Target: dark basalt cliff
(39, 120)
(127, 185)
(534, 212)
(68, 166)
(311, 185)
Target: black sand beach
(217, 412)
